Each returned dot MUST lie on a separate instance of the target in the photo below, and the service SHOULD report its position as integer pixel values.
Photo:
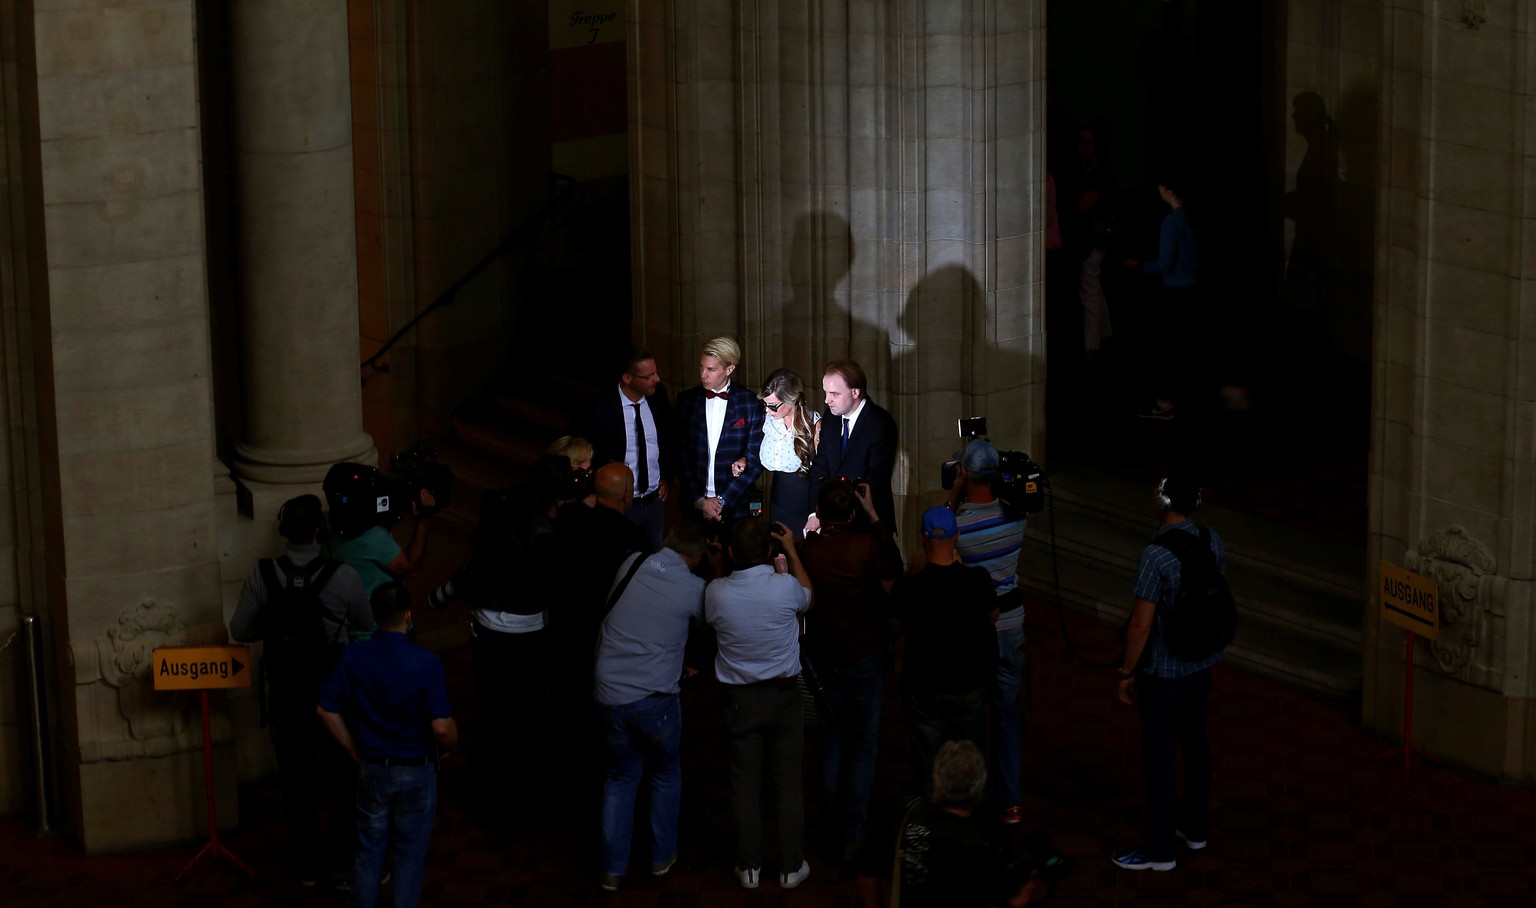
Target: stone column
(296, 240)
(124, 430)
(1453, 448)
(849, 178)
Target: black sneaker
(1160, 410)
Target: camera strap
(637, 559)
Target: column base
(290, 467)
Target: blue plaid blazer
(740, 436)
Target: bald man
(592, 543)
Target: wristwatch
(1124, 675)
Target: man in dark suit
(718, 423)
(858, 442)
(632, 425)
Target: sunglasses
(773, 408)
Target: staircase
(1300, 598)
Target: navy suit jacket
(871, 456)
(740, 436)
(605, 421)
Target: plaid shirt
(1157, 580)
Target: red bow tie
(711, 395)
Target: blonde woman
(789, 443)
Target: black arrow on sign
(234, 666)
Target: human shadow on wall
(952, 366)
(1313, 208)
(820, 323)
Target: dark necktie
(642, 469)
(845, 436)
(711, 395)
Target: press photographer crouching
(366, 502)
(506, 581)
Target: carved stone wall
(1470, 643)
(1454, 409)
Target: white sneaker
(791, 880)
(1189, 843)
(747, 877)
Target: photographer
(990, 538)
(852, 563)
(511, 562)
(755, 612)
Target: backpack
(299, 647)
(1203, 617)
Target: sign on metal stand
(1412, 603)
(200, 668)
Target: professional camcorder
(360, 496)
(1020, 482)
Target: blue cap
(939, 523)
(980, 458)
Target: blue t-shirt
(388, 690)
(1178, 252)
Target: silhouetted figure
(1313, 206)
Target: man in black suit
(610, 424)
(719, 422)
(858, 442)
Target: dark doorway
(1265, 357)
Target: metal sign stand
(214, 848)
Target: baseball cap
(979, 458)
(939, 523)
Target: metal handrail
(560, 185)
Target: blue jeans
(1008, 716)
(1173, 715)
(394, 804)
(850, 736)
(646, 730)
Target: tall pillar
(117, 310)
(849, 178)
(1453, 446)
(296, 240)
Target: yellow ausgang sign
(1409, 601)
(201, 667)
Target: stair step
(1300, 618)
(1114, 546)
(517, 443)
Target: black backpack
(300, 649)
(1203, 617)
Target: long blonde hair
(786, 385)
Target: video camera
(1020, 482)
(360, 496)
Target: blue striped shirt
(991, 540)
(1157, 580)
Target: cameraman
(990, 538)
(373, 553)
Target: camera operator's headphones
(1166, 500)
(287, 523)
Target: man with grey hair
(990, 538)
(944, 858)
